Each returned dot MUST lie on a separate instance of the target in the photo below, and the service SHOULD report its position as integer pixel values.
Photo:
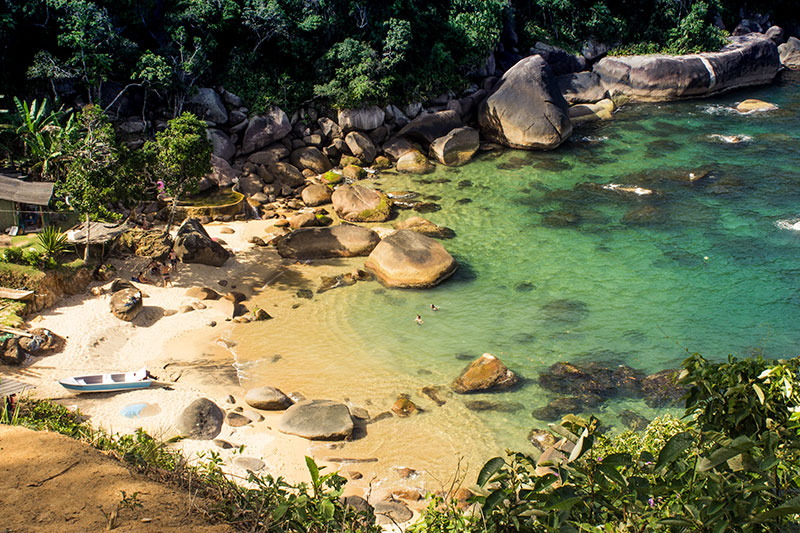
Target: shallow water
(552, 269)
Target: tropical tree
(44, 133)
(179, 157)
(94, 178)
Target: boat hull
(105, 387)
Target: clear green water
(713, 275)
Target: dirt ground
(49, 482)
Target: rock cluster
(586, 386)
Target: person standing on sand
(418, 320)
(165, 275)
(173, 260)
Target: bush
(12, 255)
(32, 257)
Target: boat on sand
(137, 379)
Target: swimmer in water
(434, 308)
(418, 320)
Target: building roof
(25, 192)
(99, 232)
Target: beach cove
(709, 269)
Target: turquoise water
(708, 270)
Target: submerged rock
(603, 379)
(633, 420)
(541, 439)
(425, 227)
(404, 407)
(484, 374)
(565, 310)
(660, 389)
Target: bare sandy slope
(50, 482)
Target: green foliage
(180, 155)
(358, 75)
(95, 176)
(45, 135)
(733, 465)
(696, 32)
(52, 241)
(12, 254)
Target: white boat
(137, 379)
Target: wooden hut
(22, 203)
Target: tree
(44, 133)
(95, 44)
(179, 157)
(94, 177)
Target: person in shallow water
(434, 308)
(418, 320)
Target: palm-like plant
(53, 241)
(43, 136)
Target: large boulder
(193, 245)
(317, 420)
(316, 194)
(207, 105)
(222, 173)
(221, 145)
(265, 129)
(430, 126)
(286, 174)
(365, 119)
(581, 87)
(329, 128)
(267, 399)
(202, 419)
(361, 204)
(333, 241)
(126, 304)
(560, 61)
(457, 147)
(311, 158)
(526, 109)
(396, 147)
(407, 259)
(361, 146)
(790, 53)
(250, 184)
(747, 60)
(484, 374)
(270, 154)
(414, 162)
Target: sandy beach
(196, 352)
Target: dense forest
(346, 52)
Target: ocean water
(555, 267)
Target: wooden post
(86, 251)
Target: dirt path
(49, 482)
